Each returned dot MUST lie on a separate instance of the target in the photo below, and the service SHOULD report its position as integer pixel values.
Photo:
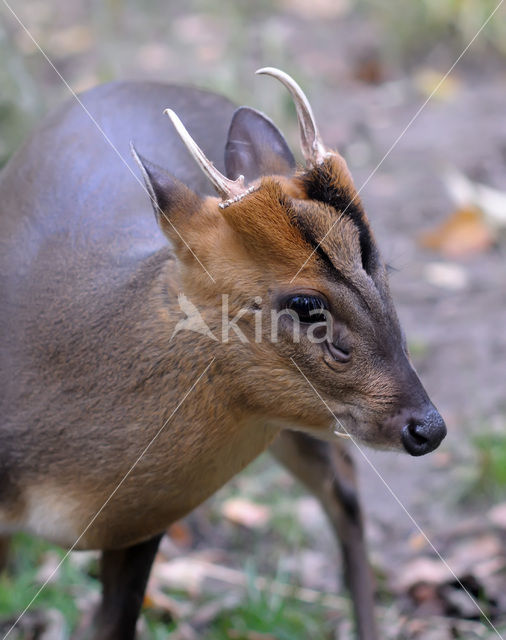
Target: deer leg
(327, 471)
(124, 574)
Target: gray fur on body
(83, 377)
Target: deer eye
(308, 308)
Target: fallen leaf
(181, 573)
(422, 571)
(154, 56)
(446, 275)
(423, 592)
(442, 459)
(431, 82)
(417, 542)
(72, 40)
(154, 598)
(318, 9)
(181, 534)
(190, 574)
(497, 515)
(466, 193)
(467, 555)
(369, 69)
(464, 233)
(246, 513)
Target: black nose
(421, 437)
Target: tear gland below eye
(338, 353)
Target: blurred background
(437, 203)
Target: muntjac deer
(117, 419)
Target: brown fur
(91, 376)
(253, 248)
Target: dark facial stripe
(307, 232)
(321, 185)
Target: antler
(313, 149)
(229, 190)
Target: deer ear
(173, 202)
(255, 147)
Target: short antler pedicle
(313, 149)
(229, 190)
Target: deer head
(292, 247)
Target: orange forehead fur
(262, 221)
(268, 227)
(271, 221)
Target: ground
(368, 72)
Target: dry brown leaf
(154, 598)
(442, 459)
(72, 40)
(369, 69)
(181, 534)
(422, 570)
(433, 83)
(417, 542)
(467, 193)
(464, 233)
(468, 556)
(246, 513)
(181, 573)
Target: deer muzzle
(423, 434)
